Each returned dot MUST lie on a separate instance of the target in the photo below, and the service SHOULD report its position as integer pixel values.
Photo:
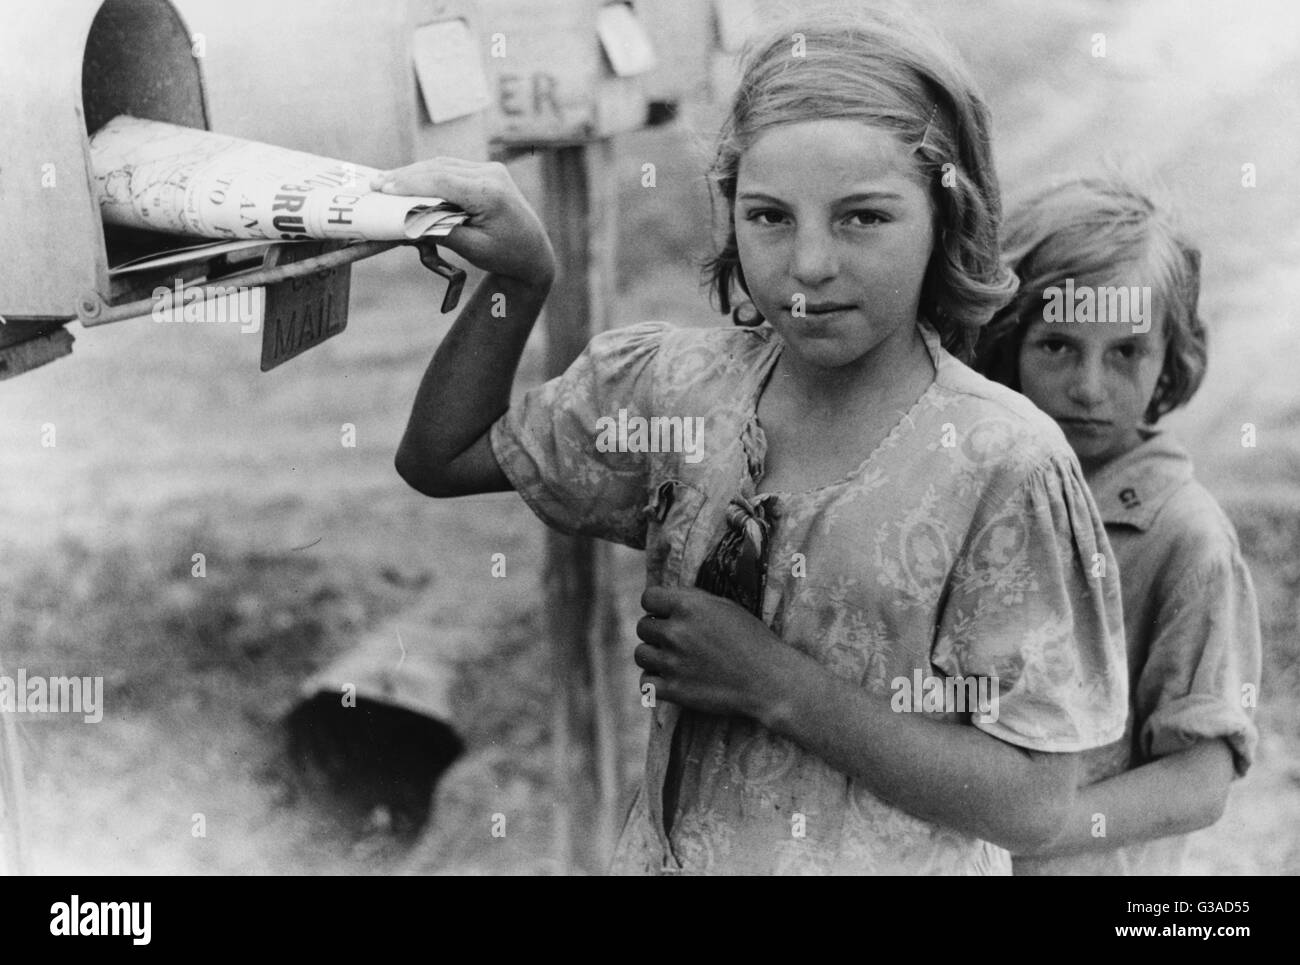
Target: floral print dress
(965, 544)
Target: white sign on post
(625, 40)
(450, 72)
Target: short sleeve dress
(966, 544)
(1192, 628)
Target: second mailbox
(564, 71)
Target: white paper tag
(625, 40)
(450, 70)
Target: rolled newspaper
(180, 180)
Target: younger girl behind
(1189, 606)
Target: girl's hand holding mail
(502, 235)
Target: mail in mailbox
(164, 177)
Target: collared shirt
(965, 545)
(1192, 626)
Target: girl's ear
(757, 317)
(1159, 406)
(1153, 413)
(1176, 384)
(742, 322)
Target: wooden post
(579, 210)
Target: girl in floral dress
(865, 515)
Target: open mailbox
(99, 60)
(69, 66)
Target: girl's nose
(815, 260)
(1087, 387)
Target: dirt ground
(171, 443)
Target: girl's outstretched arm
(445, 450)
(704, 652)
(1175, 794)
(942, 772)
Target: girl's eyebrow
(1062, 334)
(1043, 330)
(758, 196)
(876, 195)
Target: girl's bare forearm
(467, 384)
(943, 772)
(1176, 794)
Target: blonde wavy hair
(886, 70)
(1116, 223)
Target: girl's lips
(814, 326)
(1088, 427)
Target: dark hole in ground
(371, 764)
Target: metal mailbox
(245, 67)
(98, 60)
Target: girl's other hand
(710, 654)
(503, 234)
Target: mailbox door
(129, 56)
(49, 224)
